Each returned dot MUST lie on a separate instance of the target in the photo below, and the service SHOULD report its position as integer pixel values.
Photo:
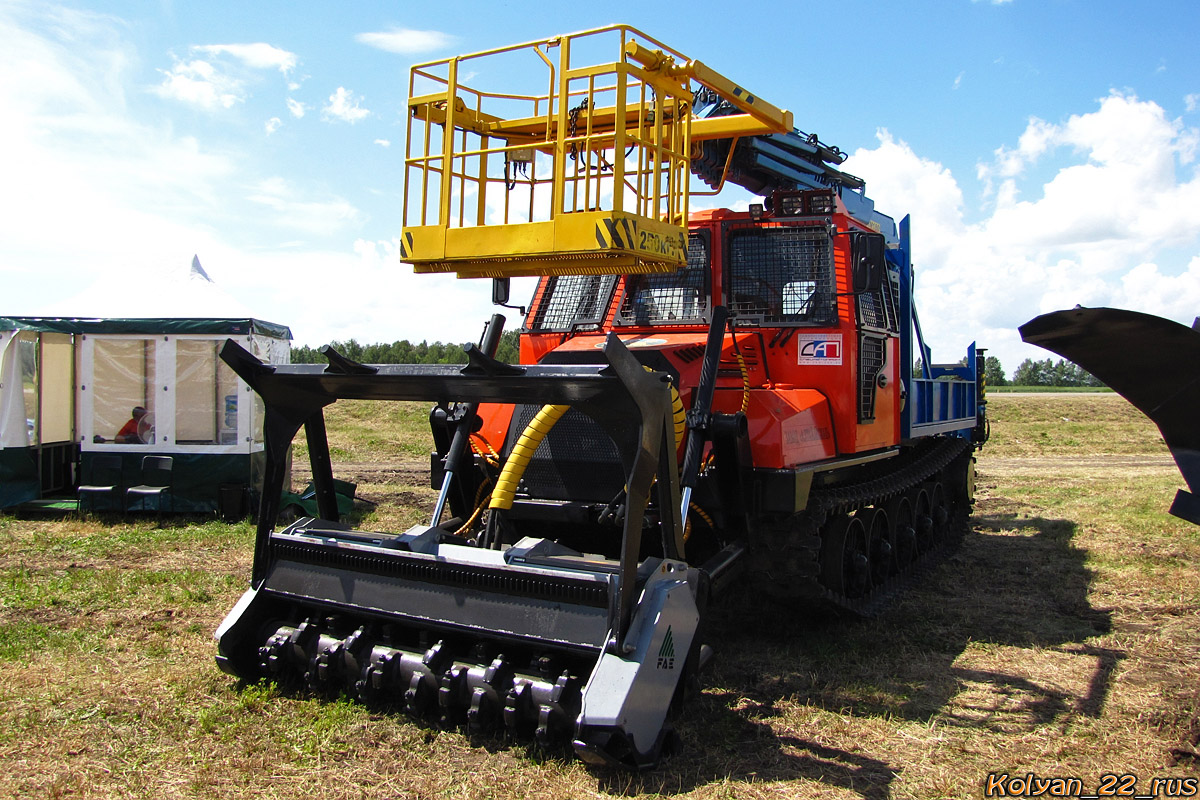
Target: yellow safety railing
(589, 175)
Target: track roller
(845, 557)
(903, 532)
(881, 552)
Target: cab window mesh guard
(573, 302)
(679, 297)
(782, 276)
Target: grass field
(1061, 640)
(1046, 390)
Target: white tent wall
(268, 350)
(36, 388)
(194, 400)
(14, 430)
(18, 468)
(37, 414)
(56, 361)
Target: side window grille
(878, 310)
(891, 297)
(669, 297)
(783, 275)
(871, 313)
(870, 364)
(573, 302)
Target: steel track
(785, 556)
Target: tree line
(1028, 373)
(1039, 373)
(405, 352)
(1049, 373)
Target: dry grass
(1060, 639)
(1043, 425)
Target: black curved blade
(1153, 362)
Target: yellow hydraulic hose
(518, 459)
(480, 502)
(535, 432)
(745, 383)
(679, 416)
(491, 456)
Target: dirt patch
(399, 498)
(412, 473)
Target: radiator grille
(577, 460)
(871, 311)
(892, 298)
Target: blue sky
(1045, 150)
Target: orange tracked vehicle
(701, 398)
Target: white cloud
(1036, 139)
(296, 108)
(1191, 102)
(75, 161)
(273, 125)
(258, 55)
(1174, 296)
(397, 306)
(210, 82)
(200, 84)
(1103, 228)
(1124, 193)
(901, 181)
(320, 217)
(383, 143)
(345, 106)
(95, 197)
(405, 41)
(958, 80)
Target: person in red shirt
(129, 431)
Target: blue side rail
(944, 398)
(945, 402)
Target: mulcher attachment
(1153, 362)
(537, 639)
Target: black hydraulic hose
(458, 445)
(700, 415)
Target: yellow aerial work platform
(589, 177)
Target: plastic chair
(105, 479)
(156, 483)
